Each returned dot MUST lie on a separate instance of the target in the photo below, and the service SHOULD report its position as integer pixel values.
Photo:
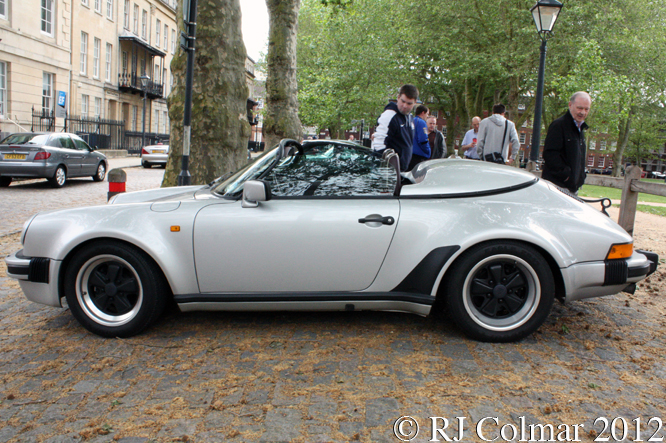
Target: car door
(88, 159)
(330, 239)
(71, 156)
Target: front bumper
(37, 277)
(595, 279)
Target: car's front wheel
(59, 177)
(5, 181)
(101, 172)
(500, 291)
(114, 289)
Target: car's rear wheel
(114, 289)
(59, 177)
(101, 172)
(5, 181)
(146, 164)
(500, 291)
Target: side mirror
(255, 191)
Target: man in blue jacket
(421, 145)
(395, 127)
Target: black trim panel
(637, 272)
(476, 193)
(616, 272)
(422, 278)
(18, 270)
(305, 297)
(39, 270)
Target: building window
(143, 66)
(109, 50)
(84, 2)
(3, 89)
(84, 105)
(173, 41)
(47, 16)
(98, 6)
(98, 107)
(135, 28)
(3, 9)
(602, 144)
(601, 161)
(522, 138)
(157, 121)
(109, 9)
(590, 161)
(97, 43)
(84, 53)
(124, 62)
(166, 37)
(593, 144)
(164, 79)
(156, 74)
(144, 24)
(158, 28)
(126, 17)
(135, 112)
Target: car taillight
(143, 151)
(42, 155)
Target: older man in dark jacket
(564, 151)
(436, 140)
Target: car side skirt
(403, 302)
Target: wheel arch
(72, 253)
(443, 286)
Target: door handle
(377, 219)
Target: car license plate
(15, 156)
(156, 151)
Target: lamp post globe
(544, 13)
(144, 87)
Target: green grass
(656, 210)
(616, 194)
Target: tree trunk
(623, 140)
(220, 130)
(281, 119)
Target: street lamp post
(144, 87)
(545, 14)
(190, 19)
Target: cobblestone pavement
(341, 377)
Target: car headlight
(25, 228)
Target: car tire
(101, 172)
(146, 165)
(59, 177)
(500, 291)
(114, 289)
(5, 181)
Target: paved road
(269, 377)
(24, 198)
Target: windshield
(324, 169)
(22, 139)
(234, 184)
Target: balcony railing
(132, 82)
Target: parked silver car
(55, 156)
(154, 155)
(330, 225)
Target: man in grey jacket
(498, 136)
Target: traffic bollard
(117, 178)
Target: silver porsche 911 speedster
(329, 225)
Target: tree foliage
(465, 55)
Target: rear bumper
(27, 169)
(37, 277)
(595, 279)
(155, 159)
